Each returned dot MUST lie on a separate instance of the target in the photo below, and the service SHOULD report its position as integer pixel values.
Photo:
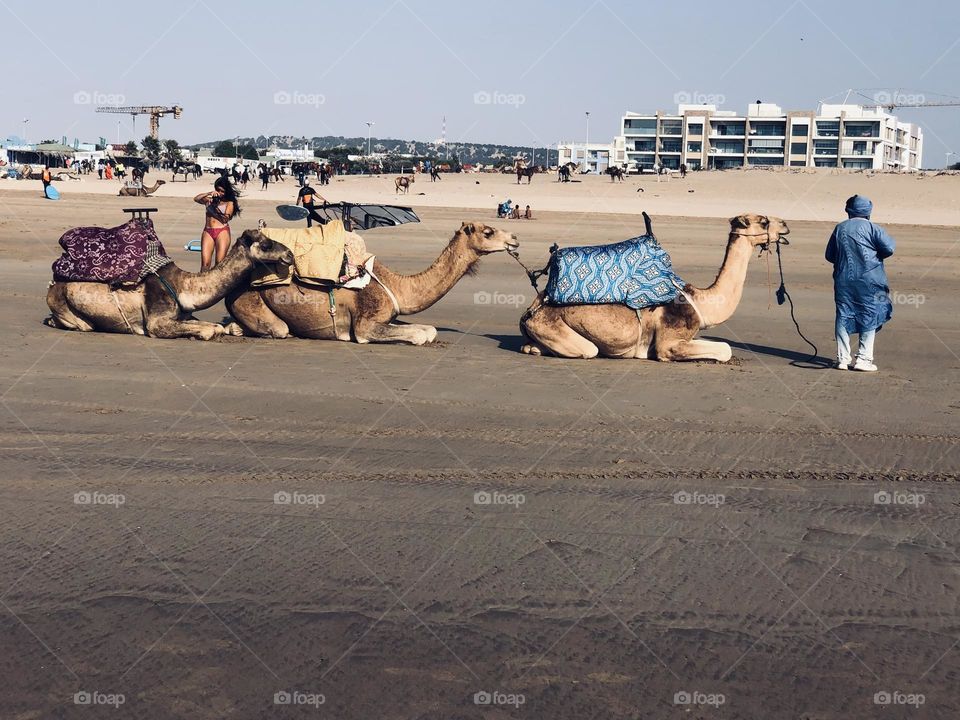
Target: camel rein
(784, 296)
(533, 275)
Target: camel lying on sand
(665, 332)
(366, 315)
(150, 309)
(142, 191)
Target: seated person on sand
(504, 209)
(515, 214)
(528, 214)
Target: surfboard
(292, 212)
(52, 193)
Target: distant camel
(615, 174)
(403, 183)
(142, 191)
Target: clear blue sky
(404, 64)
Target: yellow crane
(154, 111)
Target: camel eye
(764, 223)
(266, 244)
(488, 232)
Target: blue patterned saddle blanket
(635, 272)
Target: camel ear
(467, 228)
(741, 222)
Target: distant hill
(486, 153)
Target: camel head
(161, 182)
(760, 230)
(262, 249)
(485, 239)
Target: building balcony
(644, 132)
(765, 151)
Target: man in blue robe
(857, 249)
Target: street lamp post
(586, 145)
(25, 121)
(370, 124)
(949, 153)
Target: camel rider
(46, 178)
(857, 249)
(307, 197)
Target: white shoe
(841, 365)
(864, 366)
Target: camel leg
(254, 317)
(552, 336)
(695, 350)
(387, 333)
(62, 315)
(169, 328)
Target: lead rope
(782, 295)
(333, 313)
(533, 275)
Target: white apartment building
(838, 136)
(593, 157)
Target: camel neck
(198, 291)
(416, 293)
(718, 302)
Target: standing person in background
(308, 197)
(264, 177)
(245, 177)
(46, 178)
(108, 171)
(100, 170)
(857, 249)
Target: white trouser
(864, 352)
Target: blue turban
(859, 206)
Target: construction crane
(890, 101)
(154, 111)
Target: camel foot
(233, 329)
(209, 331)
(422, 335)
(531, 350)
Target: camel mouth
(512, 244)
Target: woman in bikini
(222, 207)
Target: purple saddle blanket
(124, 254)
